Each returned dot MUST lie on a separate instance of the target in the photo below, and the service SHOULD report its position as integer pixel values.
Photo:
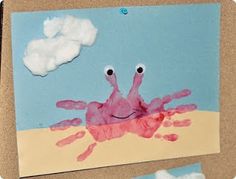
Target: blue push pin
(123, 11)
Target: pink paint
(167, 123)
(144, 127)
(70, 105)
(185, 108)
(177, 123)
(181, 94)
(117, 109)
(87, 152)
(65, 124)
(180, 109)
(119, 115)
(183, 123)
(170, 137)
(158, 136)
(70, 139)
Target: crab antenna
(112, 80)
(137, 80)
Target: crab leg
(157, 104)
(177, 95)
(71, 105)
(177, 123)
(180, 109)
(167, 137)
(87, 152)
(65, 124)
(182, 123)
(70, 139)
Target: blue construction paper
(179, 44)
(180, 171)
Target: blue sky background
(179, 44)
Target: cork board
(224, 160)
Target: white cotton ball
(81, 30)
(46, 55)
(51, 65)
(66, 50)
(163, 174)
(36, 64)
(192, 176)
(63, 43)
(52, 26)
(89, 33)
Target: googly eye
(140, 68)
(109, 70)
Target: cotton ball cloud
(84, 31)
(163, 174)
(64, 38)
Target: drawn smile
(123, 117)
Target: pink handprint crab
(119, 115)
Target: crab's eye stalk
(109, 70)
(140, 68)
